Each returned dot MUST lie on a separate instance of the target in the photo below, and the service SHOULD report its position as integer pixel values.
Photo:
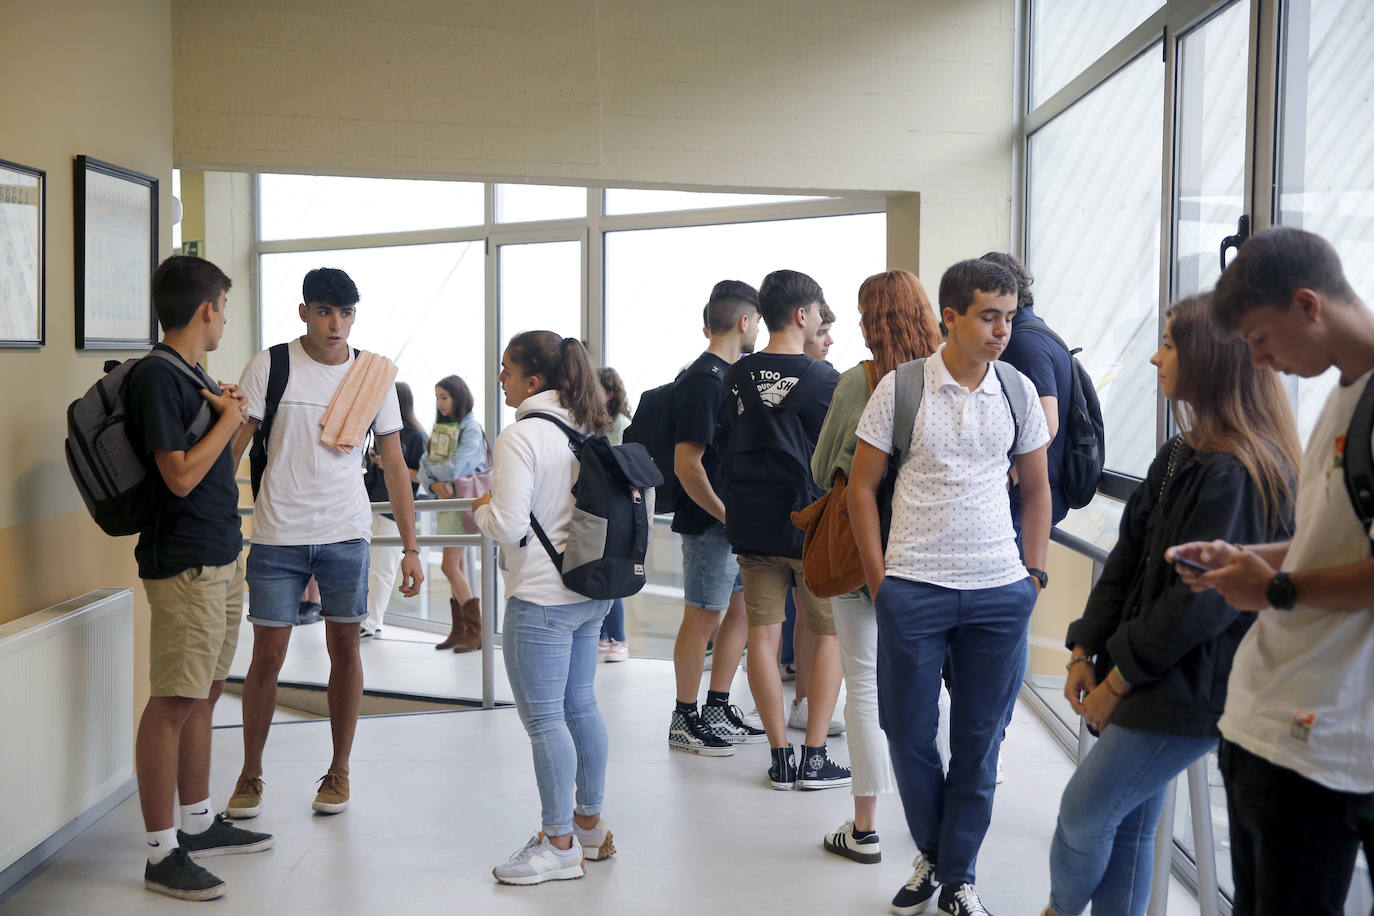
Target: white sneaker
(843, 843)
(539, 861)
(798, 715)
(596, 843)
(618, 652)
(1000, 774)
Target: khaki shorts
(766, 581)
(195, 628)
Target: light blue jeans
(1103, 849)
(551, 659)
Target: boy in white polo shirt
(952, 581)
(1298, 730)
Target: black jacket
(1174, 647)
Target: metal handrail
(488, 584)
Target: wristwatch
(1281, 594)
(1041, 575)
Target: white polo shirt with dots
(951, 515)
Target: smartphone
(1194, 565)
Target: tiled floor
(438, 799)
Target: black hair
(1273, 265)
(730, 300)
(966, 279)
(181, 285)
(460, 396)
(1017, 270)
(330, 286)
(782, 293)
(564, 366)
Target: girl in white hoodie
(551, 632)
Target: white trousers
(856, 629)
(383, 564)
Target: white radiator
(66, 716)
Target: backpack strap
(908, 390)
(203, 418)
(1359, 462)
(1015, 393)
(1049, 332)
(575, 440)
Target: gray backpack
(111, 472)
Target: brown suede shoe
(455, 635)
(472, 626)
(333, 795)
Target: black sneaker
(818, 771)
(729, 725)
(919, 889)
(782, 773)
(686, 732)
(961, 900)
(223, 839)
(177, 876)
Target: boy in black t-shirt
(760, 529)
(189, 562)
(709, 571)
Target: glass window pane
(658, 281)
(422, 306)
(631, 200)
(322, 206)
(1210, 179)
(523, 203)
(540, 290)
(1327, 147)
(1092, 241)
(1068, 35)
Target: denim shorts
(278, 574)
(710, 572)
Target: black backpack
(1085, 437)
(114, 475)
(277, 376)
(1359, 461)
(609, 535)
(768, 468)
(653, 427)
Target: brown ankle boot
(472, 626)
(455, 635)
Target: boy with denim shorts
(193, 577)
(312, 518)
(710, 575)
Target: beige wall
(870, 95)
(81, 77)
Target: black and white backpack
(612, 511)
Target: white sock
(160, 844)
(197, 818)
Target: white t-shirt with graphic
(1300, 693)
(951, 516)
(310, 493)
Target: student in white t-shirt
(952, 582)
(312, 517)
(1298, 729)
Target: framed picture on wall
(23, 222)
(116, 254)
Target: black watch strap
(1042, 576)
(1281, 594)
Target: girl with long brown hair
(898, 325)
(550, 634)
(1150, 658)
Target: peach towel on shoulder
(356, 402)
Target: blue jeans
(613, 627)
(277, 576)
(1103, 849)
(983, 631)
(551, 657)
(710, 570)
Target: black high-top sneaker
(782, 773)
(818, 771)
